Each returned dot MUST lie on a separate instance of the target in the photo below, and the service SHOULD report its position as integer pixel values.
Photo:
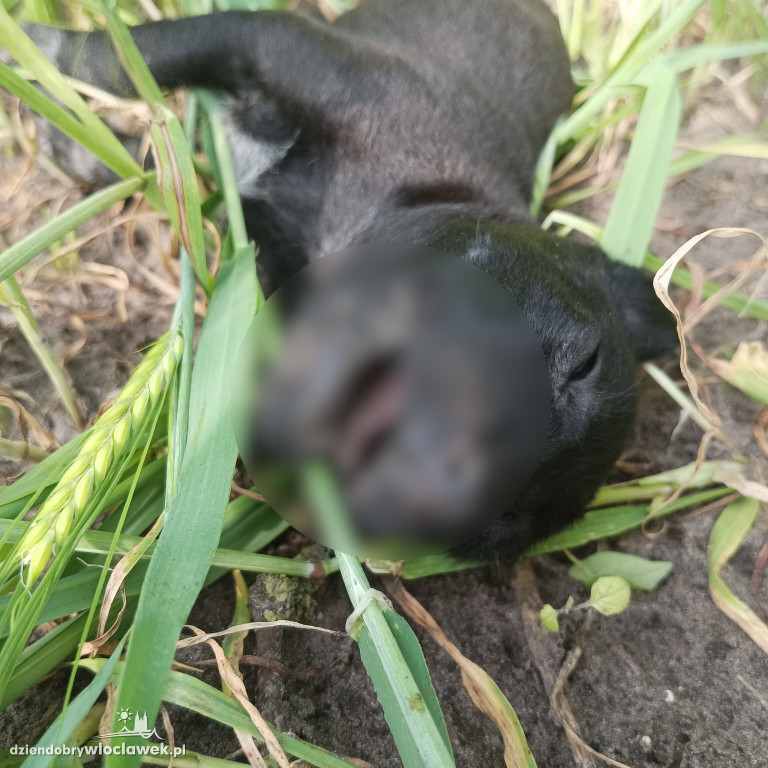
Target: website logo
(139, 726)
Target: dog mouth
(371, 410)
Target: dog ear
(649, 324)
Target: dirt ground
(670, 682)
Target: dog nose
(369, 412)
(417, 380)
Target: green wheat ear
(104, 447)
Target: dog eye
(583, 369)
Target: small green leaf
(610, 595)
(548, 616)
(638, 572)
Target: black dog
(419, 121)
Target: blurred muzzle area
(414, 377)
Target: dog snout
(420, 384)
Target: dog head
(444, 399)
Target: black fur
(420, 121)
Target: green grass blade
(62, 727)
(754, 149)
(727, 536)
(18, 255)
(19, 450)
(178, 182)
(193, 694)
(688, 58)
(190, 760)
(185, 316)
(223, 162)
(176, 172)
(74, 593)
(635, 207)
(747, 370)
(132, 61)
(423, 704)
(44, 655)
(595, 525)
(388, 647)
(58, 116)
(193, 520)
(250, 526)
(611, 521)
(102, 141)
(628, 70)
(543, 172)
(429, 565)
(640, 16)
(40, 657)
(736, 302)
(98, 542)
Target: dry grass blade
(115, 585)
(103, 635)
(483, 691)
(670, 387)
(233, 651)
(661, 283)
(760, 430)
(170, 733)
(18, 450)
(747, 370)
(728, 533)
(757, 258)
(546, 652)
(557, 703)
(27, 423)
(12, 296)
(253, 625)
(237, 689)
(749, 488)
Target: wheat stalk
(103, 447)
